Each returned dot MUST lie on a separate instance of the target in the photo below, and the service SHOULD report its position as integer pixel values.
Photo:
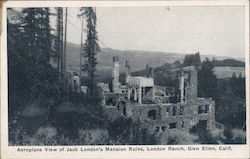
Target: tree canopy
(207, 80)
(192, 60)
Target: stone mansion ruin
(156, 106)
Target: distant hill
(229, 62)
(227, 72)
(138, 59)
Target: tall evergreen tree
(31, 77)
(31, 53)
(237, 84)
(207, 80)
(16, 78)
(59, 38)
(90, 47)
(37, 35)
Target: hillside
(229, 62)
(138, 59)
(227, 72)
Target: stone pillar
(139, 94)
(135, 94)
(115, 77)
(211, 121)
(143, 92)
(104, 100)
(182, 87)
(128, 93)
(153, 93)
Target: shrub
(239, 136)
(93, 137)
(126, 131)
(218, 135)
(177, 137)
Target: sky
(217, 30)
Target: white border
(9, 152)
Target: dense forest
(42, 109)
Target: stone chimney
(181, 86)
(151, 72)
(188, 84)
(115, 75)
(127, 71)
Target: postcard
(125, 79)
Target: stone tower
(115, 75)
(192, 87)
(188, 84)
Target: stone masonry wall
(164, 117)
(183, 115)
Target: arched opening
(132, 96)
(152, 114)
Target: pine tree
(207, 80)
(16, 78)
(192, 60)
(29, 49)
(90, 47)
(36, 50)
(59, 38)
(237, 84)
(37, 36)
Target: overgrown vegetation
(30, 75)
(37, 98)
(44, 110)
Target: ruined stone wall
(120, 103)
(181, 116)
(209, 115)
(164, 117)
(166, 114)
(168, 117)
